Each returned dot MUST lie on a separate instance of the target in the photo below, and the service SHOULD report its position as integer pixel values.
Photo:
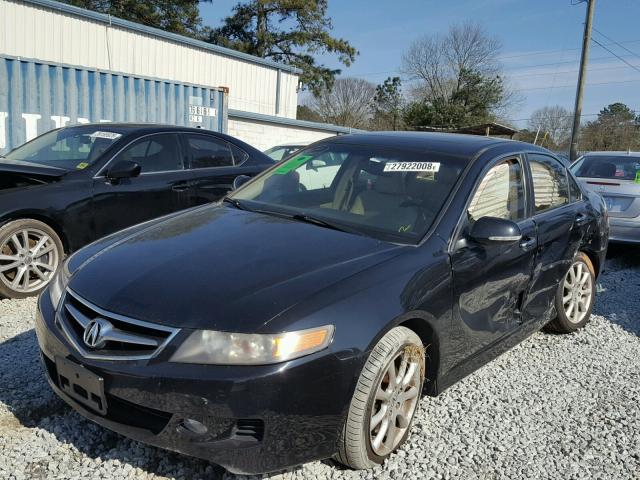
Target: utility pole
(584, 59)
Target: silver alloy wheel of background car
(577, 292)
(396, 399)
(28, 259)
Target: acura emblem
(95, 331)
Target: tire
(575, 296)
(30, 253)
(357, 441)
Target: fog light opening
(192, 426)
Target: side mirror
(240, 180)
(495, 230)
(123, 169)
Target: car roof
(612, 154)
(448, 143)
(146, 127)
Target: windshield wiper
(236, 203)
(303, 217)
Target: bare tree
(440, 67)
(437, 62)
(348, 103)
(554, 123)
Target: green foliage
(288, 31)
(176, 16)
(616, 128)
(471, 102)
(387, 105)
(307, 113)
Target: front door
(163, 186)
(491, 281)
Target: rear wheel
(30, 252)
(575, 296)
(385, 400)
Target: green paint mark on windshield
(638, 176)
(292, 164)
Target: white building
(262, 95)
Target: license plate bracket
(84, 386)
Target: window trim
(101, 174)
(533, 212)
(462, 219)
(189, 154)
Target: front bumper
(259, 419)
(624, 230)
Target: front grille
(115, 337)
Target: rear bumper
(259, 419)
(624, 230)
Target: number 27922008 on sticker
(412, 167)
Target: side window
(500, 193)
(239, 155)
(574, 190)
(550, 183)
(207, 152)
(157, 153)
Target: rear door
(563, 219)
(163, 186)
(491, 281)
(215, 163)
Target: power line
(616, 43)
(615, 55)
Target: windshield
(390, 194)
(72, 148)
(617, 167)
(282, 152)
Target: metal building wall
(58, 33)
(36, 97)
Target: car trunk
(621, 196)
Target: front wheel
(384, 401)
(30, 252)
(575, 296)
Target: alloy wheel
(394, 404)
(577, 292)
(28, 260)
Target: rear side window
(207, 152)
(239, 155)
(157, 153)
(550, 183)
(500, 193)
(617, 167)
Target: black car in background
(301, 318)
(73, 185)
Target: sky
(541, 41)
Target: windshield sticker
(292, 164)
(82, 165)
(107, 135)
(411, 167)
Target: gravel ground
(562, 407)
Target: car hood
(220, 268)
(28, 168)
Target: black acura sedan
(73, 185)
(293, 322)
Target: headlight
(223, 348)
(59, 284)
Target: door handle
(581, 219)
(180, 187)
(527, 244)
